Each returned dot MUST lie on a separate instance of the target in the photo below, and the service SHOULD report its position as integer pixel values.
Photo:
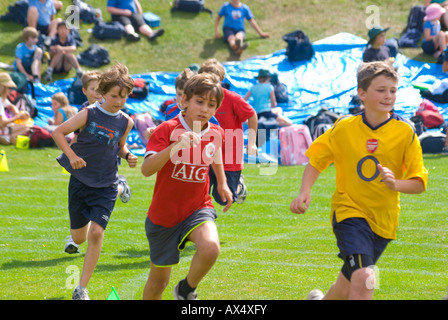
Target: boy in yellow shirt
(377, 155)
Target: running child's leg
(158, 280)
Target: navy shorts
(136, 20)
(165, 243)
(227, 32)
(87, 204)
(429, 47)
(354, 236)
(233, 180)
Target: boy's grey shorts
(165, 244)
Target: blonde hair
(63, 101)
(29, 32)
(213, 66)
(90, 76)
(116, 75)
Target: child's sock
(184, 288)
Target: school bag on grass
(432, 118)
(294, 141)
(75, 94)
(141, 89)
(190, 6)
(298, 47)
(108, 30)
(94, 56)
(432, 141)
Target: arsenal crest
(372, 145)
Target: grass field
(266, 251)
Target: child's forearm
(155, 162)
(411, 186)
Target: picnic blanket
(328, 78)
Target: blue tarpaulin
(328, 78)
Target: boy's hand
(77, 162)
(252, 150)
(189, 139)
(300, 203)
(225, 194)
(132, 160)
(388, 177)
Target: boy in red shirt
(234, 111)
(181, 151)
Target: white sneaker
(71, 247)
(125, 195)
(80, 293)
(242, 194)
(315, 294)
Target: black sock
(184, 288)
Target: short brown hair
(370, 70)
(213, 66)
(29, 32)
(182, 78)
(204, 83)
(117, 75)
(90, 76)
(61, 98)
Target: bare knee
(96, 233)
(209, 250)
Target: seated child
(130, 14)
(264, 99)
(9, 130)
(28, 55)
(234, 13)
(434, 39)
(376, 49)
(40, 15)
(61, 109)
(62, 53)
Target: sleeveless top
(97, 144)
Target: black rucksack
(141, 89)
(190, 6)
(94, 56)
(316, 122)
(280, 89)
(17, 12)
(87, 13)
(299, 46)
(432, 142)
(108, 30)
(414, 28)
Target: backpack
(323, 117)
(87, 13)
(432, 118)
(75, 94)
(141, 89)
(40, 137)
(280, 89)
(432, 142)
(294, 141)
(414, 28)
(190, 6)
(299, 46)
(23, 102)
(94, 56)
(17, 12)
(108, 30)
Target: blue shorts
(354, 236)
(227, 32)
(233, 180)
(429, 47)
(87, 204)
(165, 243)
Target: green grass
(266, 251)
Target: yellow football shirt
(355, 148)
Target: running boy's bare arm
(412, 186)
(303, 200)
(78, 121)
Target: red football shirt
(182, 183)
(233, 111)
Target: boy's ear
(361, 94)
(84, 91)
